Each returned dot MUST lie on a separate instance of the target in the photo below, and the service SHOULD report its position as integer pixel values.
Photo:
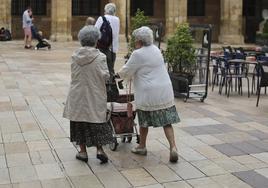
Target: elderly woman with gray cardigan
(153, 91)
(86, 102)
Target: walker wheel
(113, 146)
(138, 139)
(129, 139)
(126, 139)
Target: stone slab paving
(222, 142)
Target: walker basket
(122, 123)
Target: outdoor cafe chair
(218, 67)
(239, 53)
(233, 70)
(256, 73)
(263, 82)
(228, 52)
(216, 71)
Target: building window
(86, 7)
(147, 6)
(196, 8)
(39, 7)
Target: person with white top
(154, 97)
(26, 25)
(109, 14)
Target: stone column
(231, 22)
(176, 12)
(121, 13)
(61, 17)
(5, 14)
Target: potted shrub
(137, 21)
(262, 38)
(180, 56)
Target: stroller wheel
(114, 145)
(49, 47)
(126, 139)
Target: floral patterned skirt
(91, 134)
(158, 118)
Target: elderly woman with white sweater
(86, 102)
(153, 91)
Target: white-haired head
(144, 35)
(89, 36)
(110, 9)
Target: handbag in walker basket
(123, 116)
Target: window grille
(86, 7)
(39, 7)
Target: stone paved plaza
(222, 142)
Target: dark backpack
(106, 35)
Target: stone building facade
(234, 21)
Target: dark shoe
(173, 155)
(82, 156)
(103, 158)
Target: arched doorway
(252, 12)
(205, 12)
(81, 9)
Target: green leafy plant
(180, 52)
(265, 28)
(137, 21)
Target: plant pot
(180, 83)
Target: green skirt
(158, 118)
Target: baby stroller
(121, 119)
(42, 43)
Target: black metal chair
(263, 82)
(222, 72)
(238, 71)
(215, 62)
(233, 71)
(256, 73)
(239, 53)
(228, 52)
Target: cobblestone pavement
(222, 142)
